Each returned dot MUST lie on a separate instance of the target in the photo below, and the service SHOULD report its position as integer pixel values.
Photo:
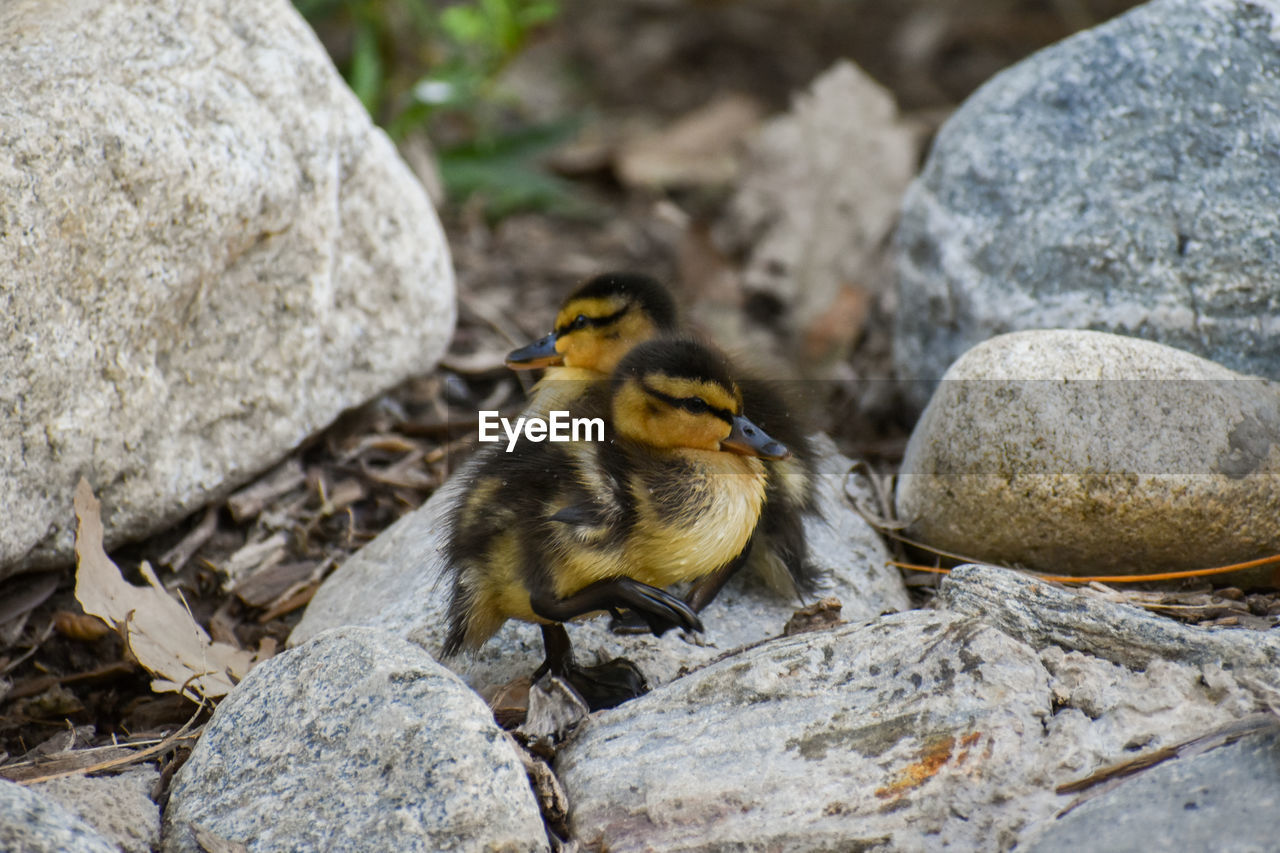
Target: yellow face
(595, 333)
(670, 412)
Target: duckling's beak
(540, 353)
(749, 440)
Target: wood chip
(552, 800)
(21, 594)
(177, 556)
(249, 501)
(64, 763)
(269, 583)
(342, 495)
(290, 603)
(818, 616)
(254, 557)
(1220, 736)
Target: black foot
(605, 685)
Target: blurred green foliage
(436, 67)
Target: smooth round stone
(1083, 452)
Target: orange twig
(1161, 576)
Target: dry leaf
(700, 149)
(80, 626)
(157, 630)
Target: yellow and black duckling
(553, 531)
(598, 324)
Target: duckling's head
(600, 322)
(671, 394)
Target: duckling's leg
(606, 685)
(660, 610)
(702, 594)
(705, 591)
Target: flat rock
(1224, 799)
(396, 583)
(1121, 180)
(1044, 615)
(914, 731)
(209, 253)
(1079, 452)
(903, 733)
(120, 807)
(355, 741)
(34, 823)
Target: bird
(553, 531)
(597, 325)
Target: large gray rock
(120, 807)
(1084, 453)
(33, 823)
(1224, 799)
(1122, 180)
(904, 733)
(208, 251)
(915, 731)
(356, 741)
(397, 583)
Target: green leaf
(538, 12)
(366, 75)
(507, 173)
(466, 25)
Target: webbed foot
(605, 685)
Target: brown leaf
(699, 149)
(157, 630)
(80, 626)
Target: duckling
(597, 325)
(553, 531)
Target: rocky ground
(993, 711)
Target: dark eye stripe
(573, 324)
(689, 404)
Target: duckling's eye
(579, 322)
(697, 405)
